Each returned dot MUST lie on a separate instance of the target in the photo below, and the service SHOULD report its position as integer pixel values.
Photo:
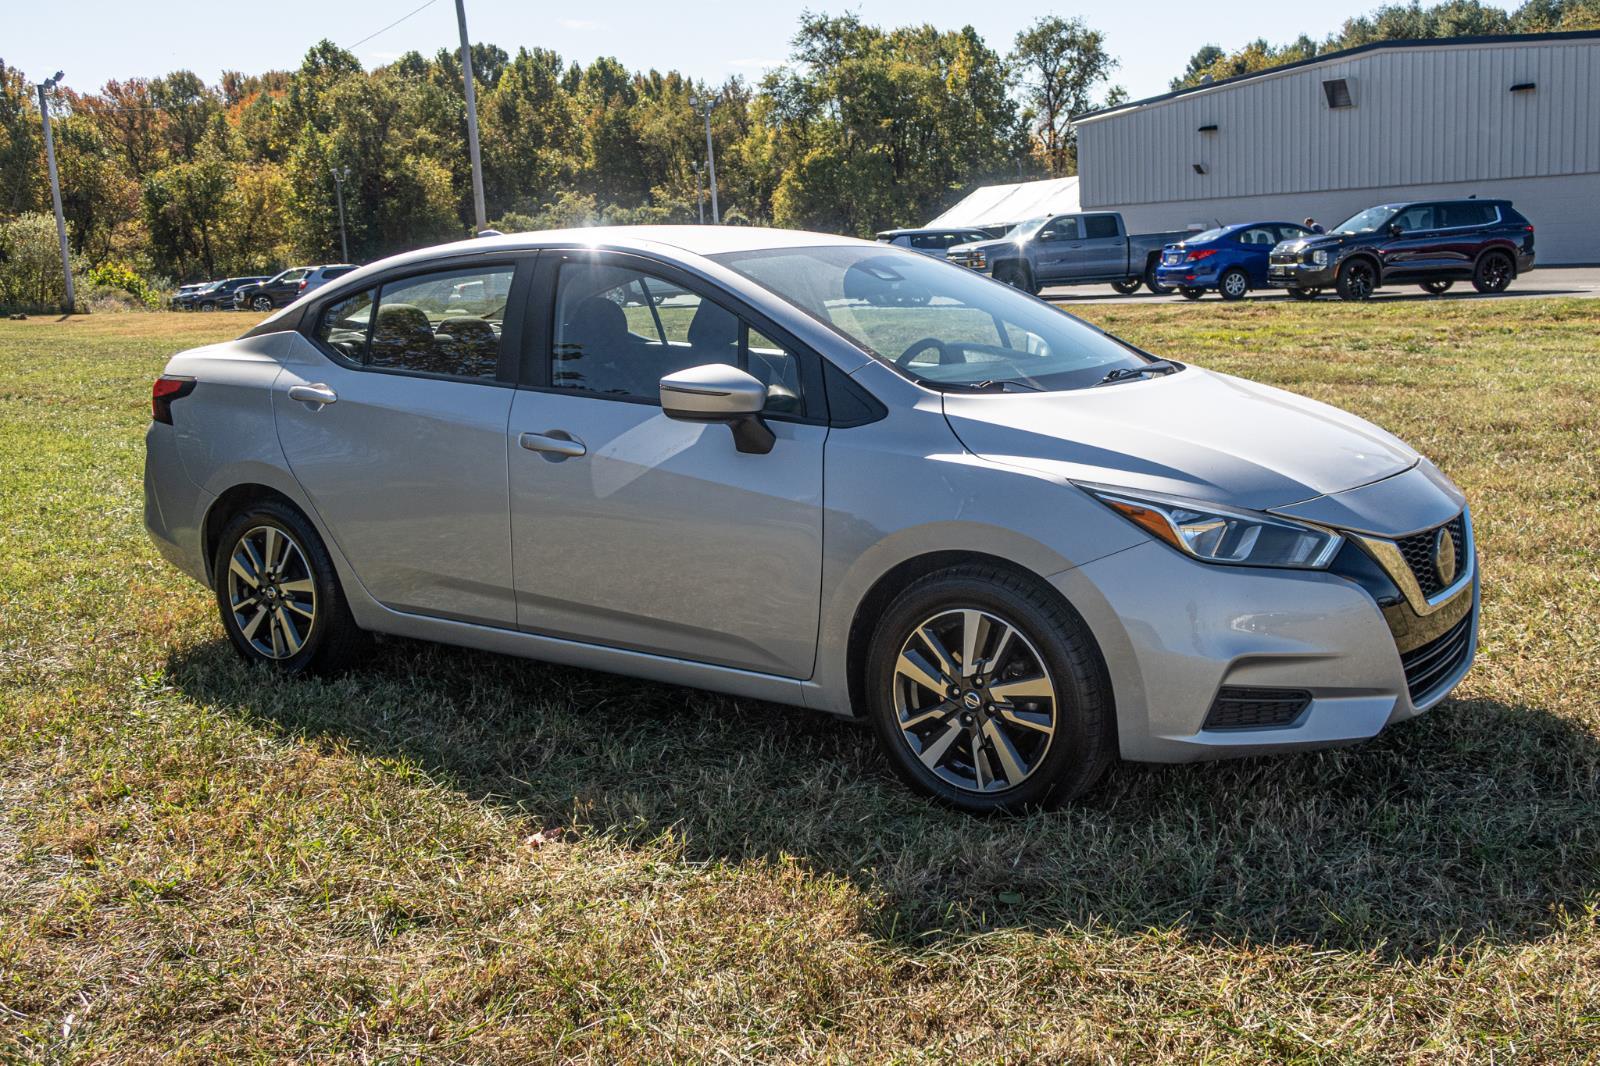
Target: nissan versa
(821, 472)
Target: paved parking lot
(1556, 281)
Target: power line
(391, 25)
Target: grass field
(451, 856)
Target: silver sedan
(821, 472)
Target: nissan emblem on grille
(1444, 555)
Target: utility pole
(472, 120)
(711, 157)
(339, 176)
(55, 186)
(699, 190)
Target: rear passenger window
(1467, 214)
(345, 326)
(446, 324)
(1099, 226)
(1264, 236)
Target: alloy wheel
(261, 303)
(974, 700)
(271, 592)
(1496, 273)
(1235, 284)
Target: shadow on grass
(1477, 821)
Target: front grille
(1284, 257)
(1239, 707)
(1430, 665)
(1418, 552)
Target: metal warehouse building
(1515, 117)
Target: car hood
(1196, 433)
(984, 246)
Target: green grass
(456, 857)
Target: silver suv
(821, 472)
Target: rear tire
(1357, 280)
(279, 595)
(1037, 707)
(1494, 273)
(1152, 282)
(1233, 284)
(1191, 293)
(1436, 288)
(1127, 286)
(262, 303)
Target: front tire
(1233, 284)
(1436, 288)
(1127, 286)
(279, 595)
(262, 303)
(1190, 293)
(1494, 273)
(1027, 724)
(1304, 294)
(1357, 280)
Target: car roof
(928, 229)
(694, 240)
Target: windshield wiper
(986, 385)
(1129, 373)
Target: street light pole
(339, 176)
(472, 119)
(711, 159)
(55, 186)
(699, 191)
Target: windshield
(939, 323)
(1022, 229)
(1367, 221)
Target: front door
(1416, 249)
(633, 530)
(1058, 245)
(397, 436)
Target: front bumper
(1302, 275)
(1174, 631)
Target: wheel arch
(876, 600)
(230, 503)
(1505, 248)
(1371, 259)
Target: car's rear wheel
(1357, 280)
(278, 594)
(987, 692)
(208, 307)
(1151, 281)
(1191, 293)
(1127, 286)
(1436, 288)
(1233, 284)
(261, 303)
(1304, 294)
(1494, 272)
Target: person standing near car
(1314, 226)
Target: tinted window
(619, 331)
(1417, 217)
(336, 272)
(1061, 229)
(1292, 233)
(1468, 214)
(1264, 236)
(447, 323)
(344, 326)
(930, 240)
(1099, 226)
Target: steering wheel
(946, 353)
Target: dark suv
(1431, 243)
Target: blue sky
(104, 39)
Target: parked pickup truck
(1089, 248)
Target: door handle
(555, 445)
(318, 394)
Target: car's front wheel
(262, 303)
(1304, 294)
(278, 594)
(1357, 280)
(1127, 286)
(987, 692)
(1191, 293)
(1437, 287)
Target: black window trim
(523, 263)
(539, 336)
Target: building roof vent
(1337, 92)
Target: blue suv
(1230, 259)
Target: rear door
(1103, 251)
(634, 530)
(398, 437)
(1468, 228)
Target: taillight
(1203, 253)
(303, 284)
(166, 389)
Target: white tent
(999, 205)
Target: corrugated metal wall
(1430, 115)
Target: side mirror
(717, 392)
(1047, 235)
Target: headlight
(979, 260)
(1223, 535)
(1318, 257)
